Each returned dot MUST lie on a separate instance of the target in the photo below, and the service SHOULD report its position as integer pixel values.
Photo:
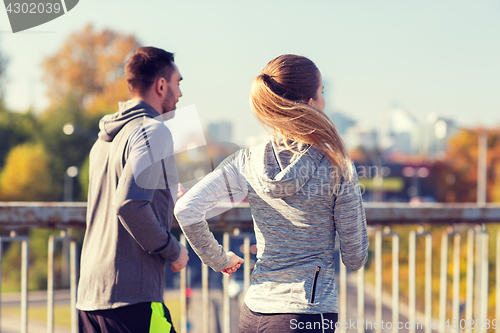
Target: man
(131, 196)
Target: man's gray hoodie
(296, 213)
(130, 210)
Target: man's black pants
(150, 317)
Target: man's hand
(234, 264)
(182, 261)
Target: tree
(87, 76)
(83, 179)
(26, 175)
(15, 128)
(89, 67)
(67, 150)
(495, 191)
(3, 65)
(455, 175)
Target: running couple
(301, 186)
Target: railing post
(443, 281)
(484, 280)
(412, 298)
(50, 286)
(456, 280)
(24, 285)
(205, 298)
(482, 271)
(343, 295)
(51, 277)
(443, 292)
(226, 301)
(246, 265)
(395, 277)
(428, 282)
(361, 297)
(395, 282)
(412, 279)
(378, 279)
(477, 278)
(183, 275)
(1, 254)
(497, 284)
(24, 274)
(470, 279)
(73, 285)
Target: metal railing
(381, 217)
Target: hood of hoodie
(284, 173)
(111, 124)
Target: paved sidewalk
(12, 324)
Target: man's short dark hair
(145, 66)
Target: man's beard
(169, 102)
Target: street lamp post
(69, 176)
(70, 129)
(482, 168)
(71, 173)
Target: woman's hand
(180, 191)
(234, 264)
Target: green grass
(174, 306)
(394, 184)
(62, 314)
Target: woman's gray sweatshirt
(295, 215)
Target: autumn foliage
(26, 174)
(456, 174)
(90, 67)
(85, 79)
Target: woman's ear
(310, 102)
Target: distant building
(361, 135)
(400, 132)
(342, 122)
(437, 131)
(220, 131)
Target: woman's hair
(279, 99)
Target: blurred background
(411, 86)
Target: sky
(439, 57)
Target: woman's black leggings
(255, 322)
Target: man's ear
(161, 86)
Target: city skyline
(421, 57)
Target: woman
(302, 190)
